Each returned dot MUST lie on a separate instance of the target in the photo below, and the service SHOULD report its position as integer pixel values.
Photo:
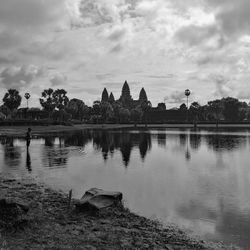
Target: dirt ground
(51, 224)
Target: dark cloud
(6, 60)
(194, 35)
(117, 34)
(117, 48)
(232, 16)
(94, 13)
(18, 77)
(28, 13)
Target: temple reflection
(107, 142)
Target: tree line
(57, 106)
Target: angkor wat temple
(125, 98)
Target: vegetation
(57, 107)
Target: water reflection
(12, 153)
(107, 142)
(202, 178)
(219, 142)
(28, 161)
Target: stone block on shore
(96, 199)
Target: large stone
(95, 199)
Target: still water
(199, 180)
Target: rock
(96, 199)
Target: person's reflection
(28, 161)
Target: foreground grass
(51, 225)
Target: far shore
(41, 130)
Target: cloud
(177, 97)
(57, 78)
(168, 76)
(98, 12)
(232, 16)
(117, 34)
(221, 82)
(22, 76)
(30, 14)
(117, 48)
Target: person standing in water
(28, 137)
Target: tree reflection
(49, 141)
(79, 139)
(161, 139)
(55, 156)
(183, 139)
(12, 153)
(195, 141)
(219, 142)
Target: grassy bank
(49, 224)
(40, 130)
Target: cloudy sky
(164, 46)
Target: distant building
(125, 98)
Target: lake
(199, 180)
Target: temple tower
(105, 95)
(143, 96)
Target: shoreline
(41, 130)
(50, 225)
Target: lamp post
(27, 97)
(187, 94)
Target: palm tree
(27, 97)
(47, 101)
(187, 94)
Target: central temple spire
(126, 91)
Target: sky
(165, 46)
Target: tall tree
(77, 108)
(215, 109)
(232, 108)
(47, 101)
(106, 111)
(12, 99)
(161, 106)
(60, 98)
